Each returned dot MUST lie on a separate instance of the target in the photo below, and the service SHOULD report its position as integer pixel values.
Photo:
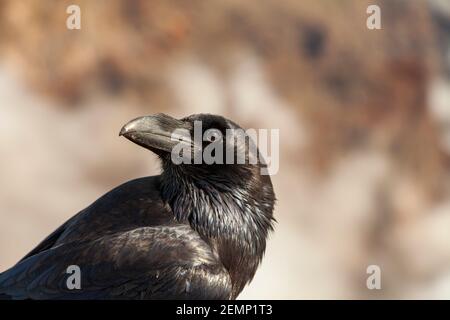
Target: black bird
(197, 231)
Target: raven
(196, 231)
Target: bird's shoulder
(133, 204)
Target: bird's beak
(157, 132)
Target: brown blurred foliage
(351, 84)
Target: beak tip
(122, 131)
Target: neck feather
(233, 218)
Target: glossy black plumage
(194, 232)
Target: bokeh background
(364, 119)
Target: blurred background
(364, 119)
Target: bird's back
(127, 245)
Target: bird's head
(212, 172)
(201, 146)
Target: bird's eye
(213, 135)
